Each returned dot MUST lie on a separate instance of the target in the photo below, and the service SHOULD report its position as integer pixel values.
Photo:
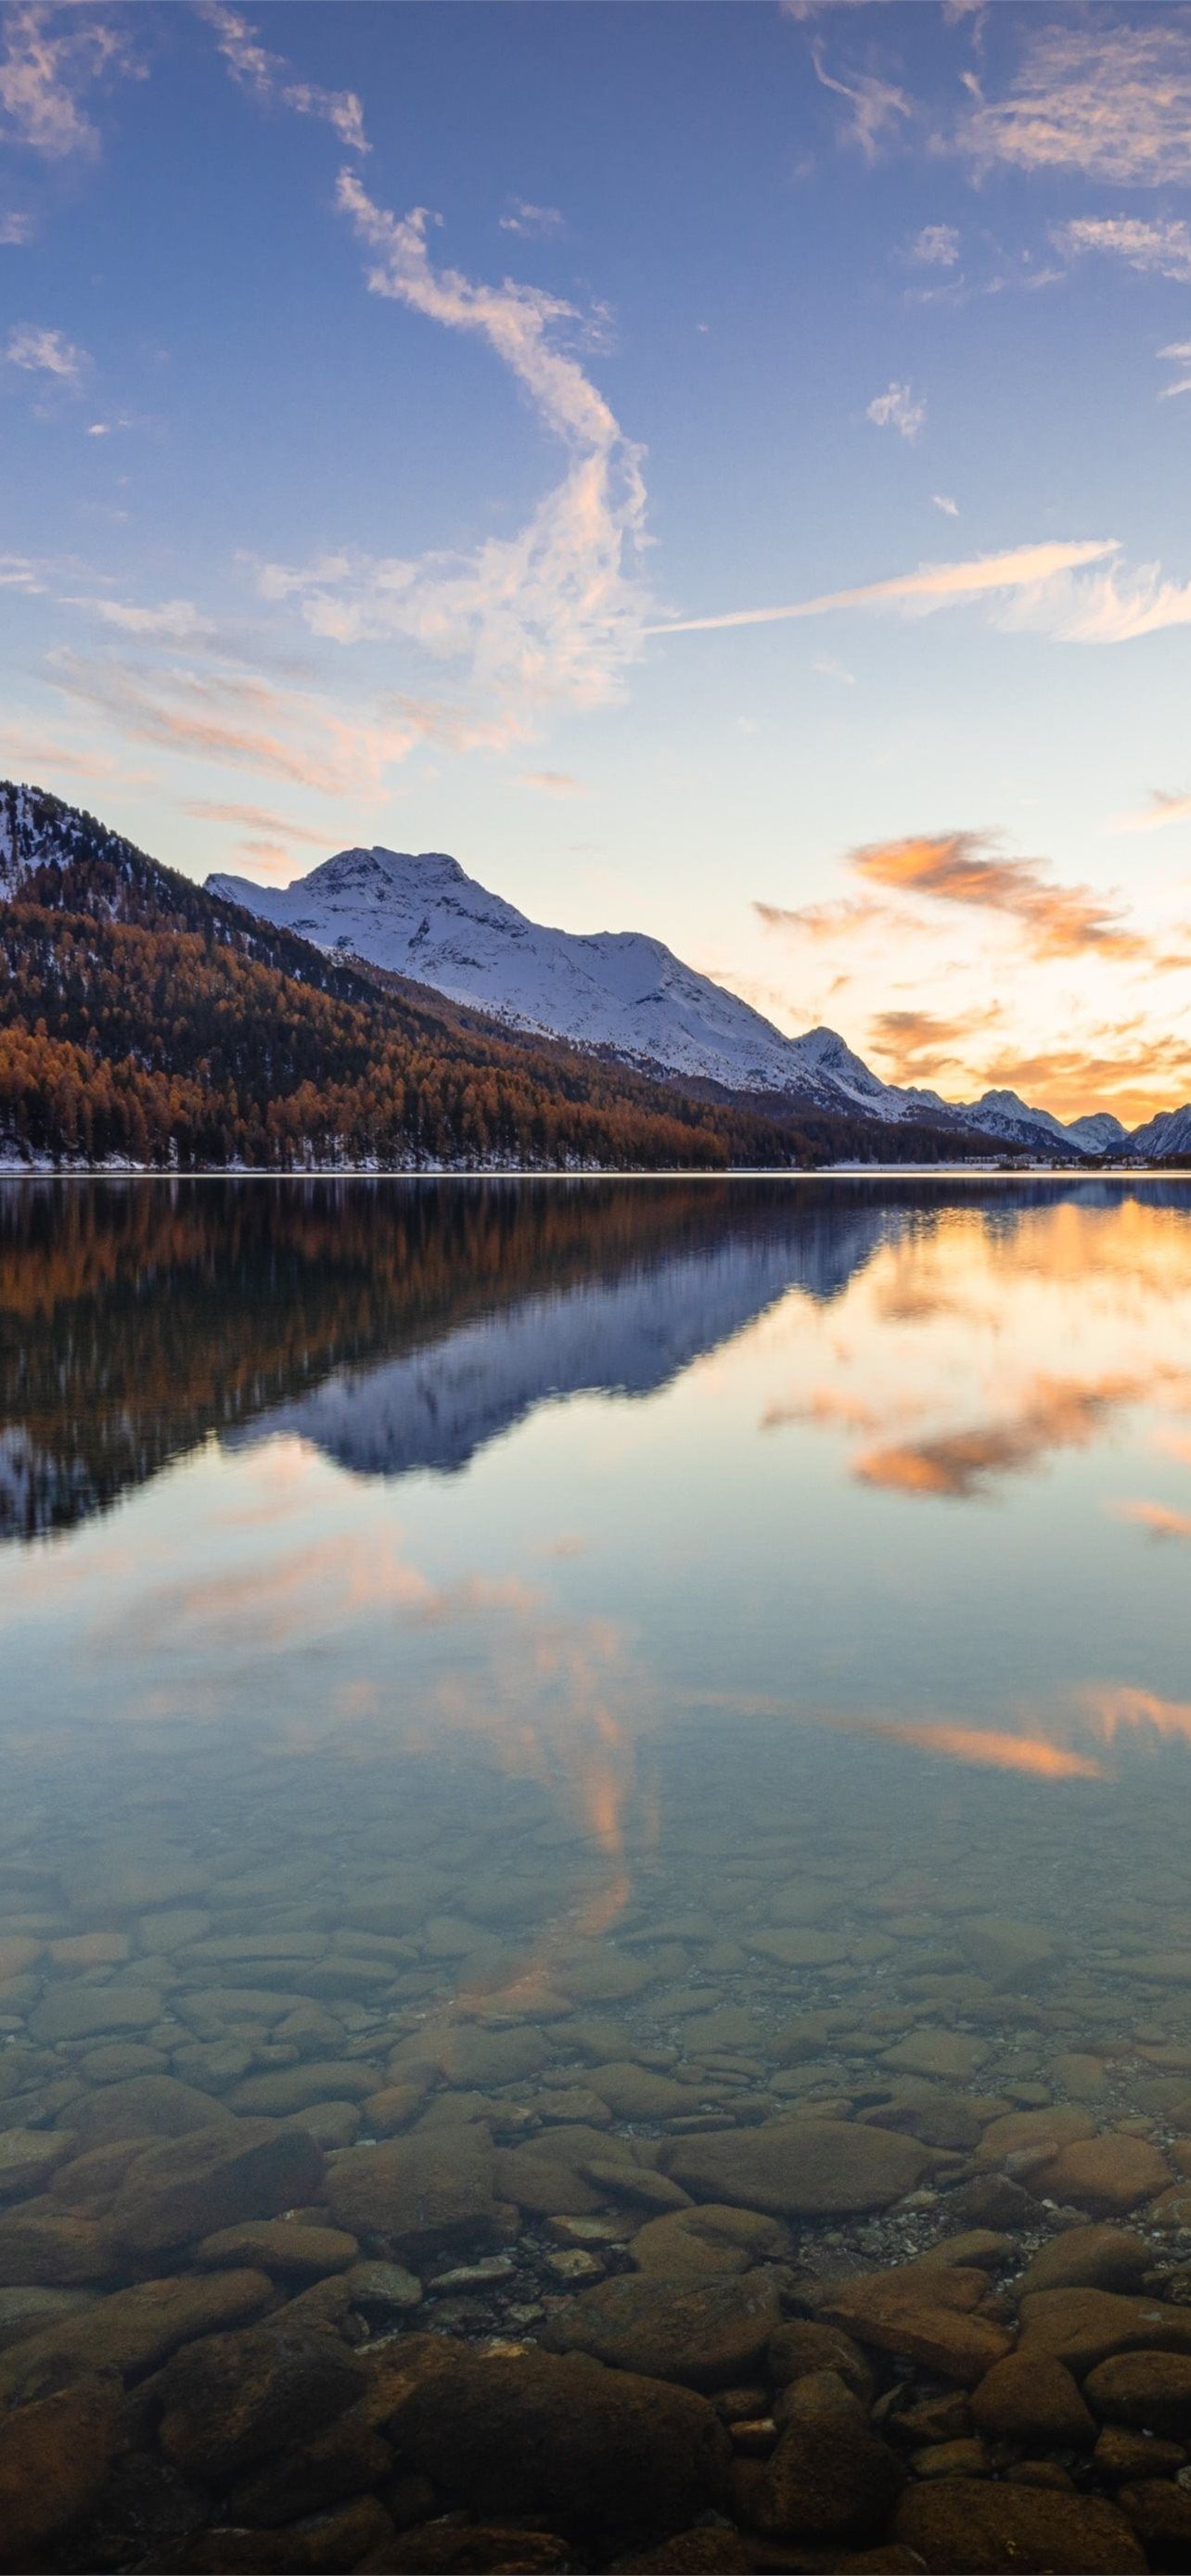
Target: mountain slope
(141, 1017)
(422, 916)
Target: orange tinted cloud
(1066, 1079)
(1119, 1709)
(823, 920)
(919, 1045)
(963, 868)
(1060, 1414)
(1157, 1518)
(982, 1745)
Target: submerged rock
(800, 2168)
(602, 2453)
(708, 2335)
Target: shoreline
(967, 1171)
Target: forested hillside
(143, 1019)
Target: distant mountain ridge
(421, 915)
(147, 1021)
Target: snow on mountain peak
(623, 991)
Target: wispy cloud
(943, 502)
(50, 57)
(1109, 99)
(1162, 808)
(555, 612)
(984, 1747)
(1157, 249)
(936, 246)
(1178, 354)
(551, 782)
(874, 106)
(269, 76)
(238, 720)
(917, 1046)
(534, 223)
(15, 230)
(965, 868)
(841, 918)
(1156, 1518)
(830, 668)
(898, 408)
(1020, 568)
(42, 352)
(170, 621)
(257, 818)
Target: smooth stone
(1013, 1956)
(54, 2458)
(296, 2088)
(383, 2288)
(44, 2245)
(1079, 2074)
(147, 2106)
(1047, 2130)
(948, 2054)
(28, 2158)
(980, 2527)
(1107, 2175)
(426, 2192)
(80, 2011)
(113, 1889)
(637, 2184)
(1026, 2401)
(990, 2200)
(706, 2240)
(133, 2331)
(636, 2093)
(800, 2168)
(469, 2056)
(545, 2176)
(214, 2178)
(1083, 2327)
(233, 2398)
(1123, 2457)
(923, 2312)
(803, 2347)
(91, 1950)
(604, 2454)
(348, 2458)
(1150, 2391)
(707, 2334)
(281, 2245)
(1160, 2513)
(1096, 2258)
(25, 2312)
(830, 2478)
(116, 2061)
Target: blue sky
(379, 384)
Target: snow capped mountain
(1099, 1131)
(422, 916)
(1168, 1133)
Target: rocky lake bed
(824, 2209)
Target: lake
(648, 1724)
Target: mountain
(615, 991)
(1165, 1136)
(146, 1019)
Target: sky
(719, 470)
